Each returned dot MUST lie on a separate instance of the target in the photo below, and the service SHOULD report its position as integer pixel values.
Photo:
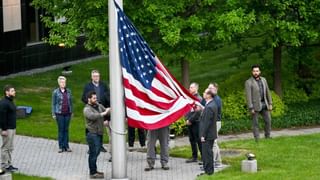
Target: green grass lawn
(17, 176)
(294, 157)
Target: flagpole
(119, 153)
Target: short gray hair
(195, 84)
(61, 78)
(95, 71)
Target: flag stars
(137, 50)
(150, 71)
(146, 56)
(142, 66)
(124, 27)
(140, 58)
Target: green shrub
(234, 106)
(278, 106)
(315, 91)
(294, 95)
(296, 115)
(179, 127)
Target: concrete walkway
(39, 157)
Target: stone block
(6, 176)
(249, 166)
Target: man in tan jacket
(259, 101)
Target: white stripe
(143, 104)
(139, 86)
(163, 88)
(151, 119)
(175, 86)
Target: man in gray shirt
(259, 101)
(94, 114)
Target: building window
(36, 30)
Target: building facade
(21, 45)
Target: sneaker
(148, 168)
(110, 159)
(102, 149)
(68, 150)
(165, 167)
(191, 160)
(130, 148)
(96, 176)
(11, 169)
(217, 165)
(200, 163)
(60, 150)
(100, 172)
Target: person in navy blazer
(208, 130)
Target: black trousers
(207, 156)
(193, 132)
(131, 136)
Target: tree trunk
(277, 70)
(185, 73)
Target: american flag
(153, 97)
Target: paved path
(37, 156)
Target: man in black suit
(208, 130)
(192, 122)
(103, 96)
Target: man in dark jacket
(103, 95)
(208, 130)
(192, 121)
(7, 127)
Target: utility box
(6, 176)
(249, 166)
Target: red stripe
(160, 93)
(142, 111)
(143, 96)
(162, 122)
(165, 70)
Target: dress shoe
(102, 149)
(148, 168)
(191, 160)
(165, 167)
(11, 169)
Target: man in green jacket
(94, 114)
(259, 101)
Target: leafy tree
(280, 23)
(177, 30)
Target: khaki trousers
(216, 149)
(7, 148)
